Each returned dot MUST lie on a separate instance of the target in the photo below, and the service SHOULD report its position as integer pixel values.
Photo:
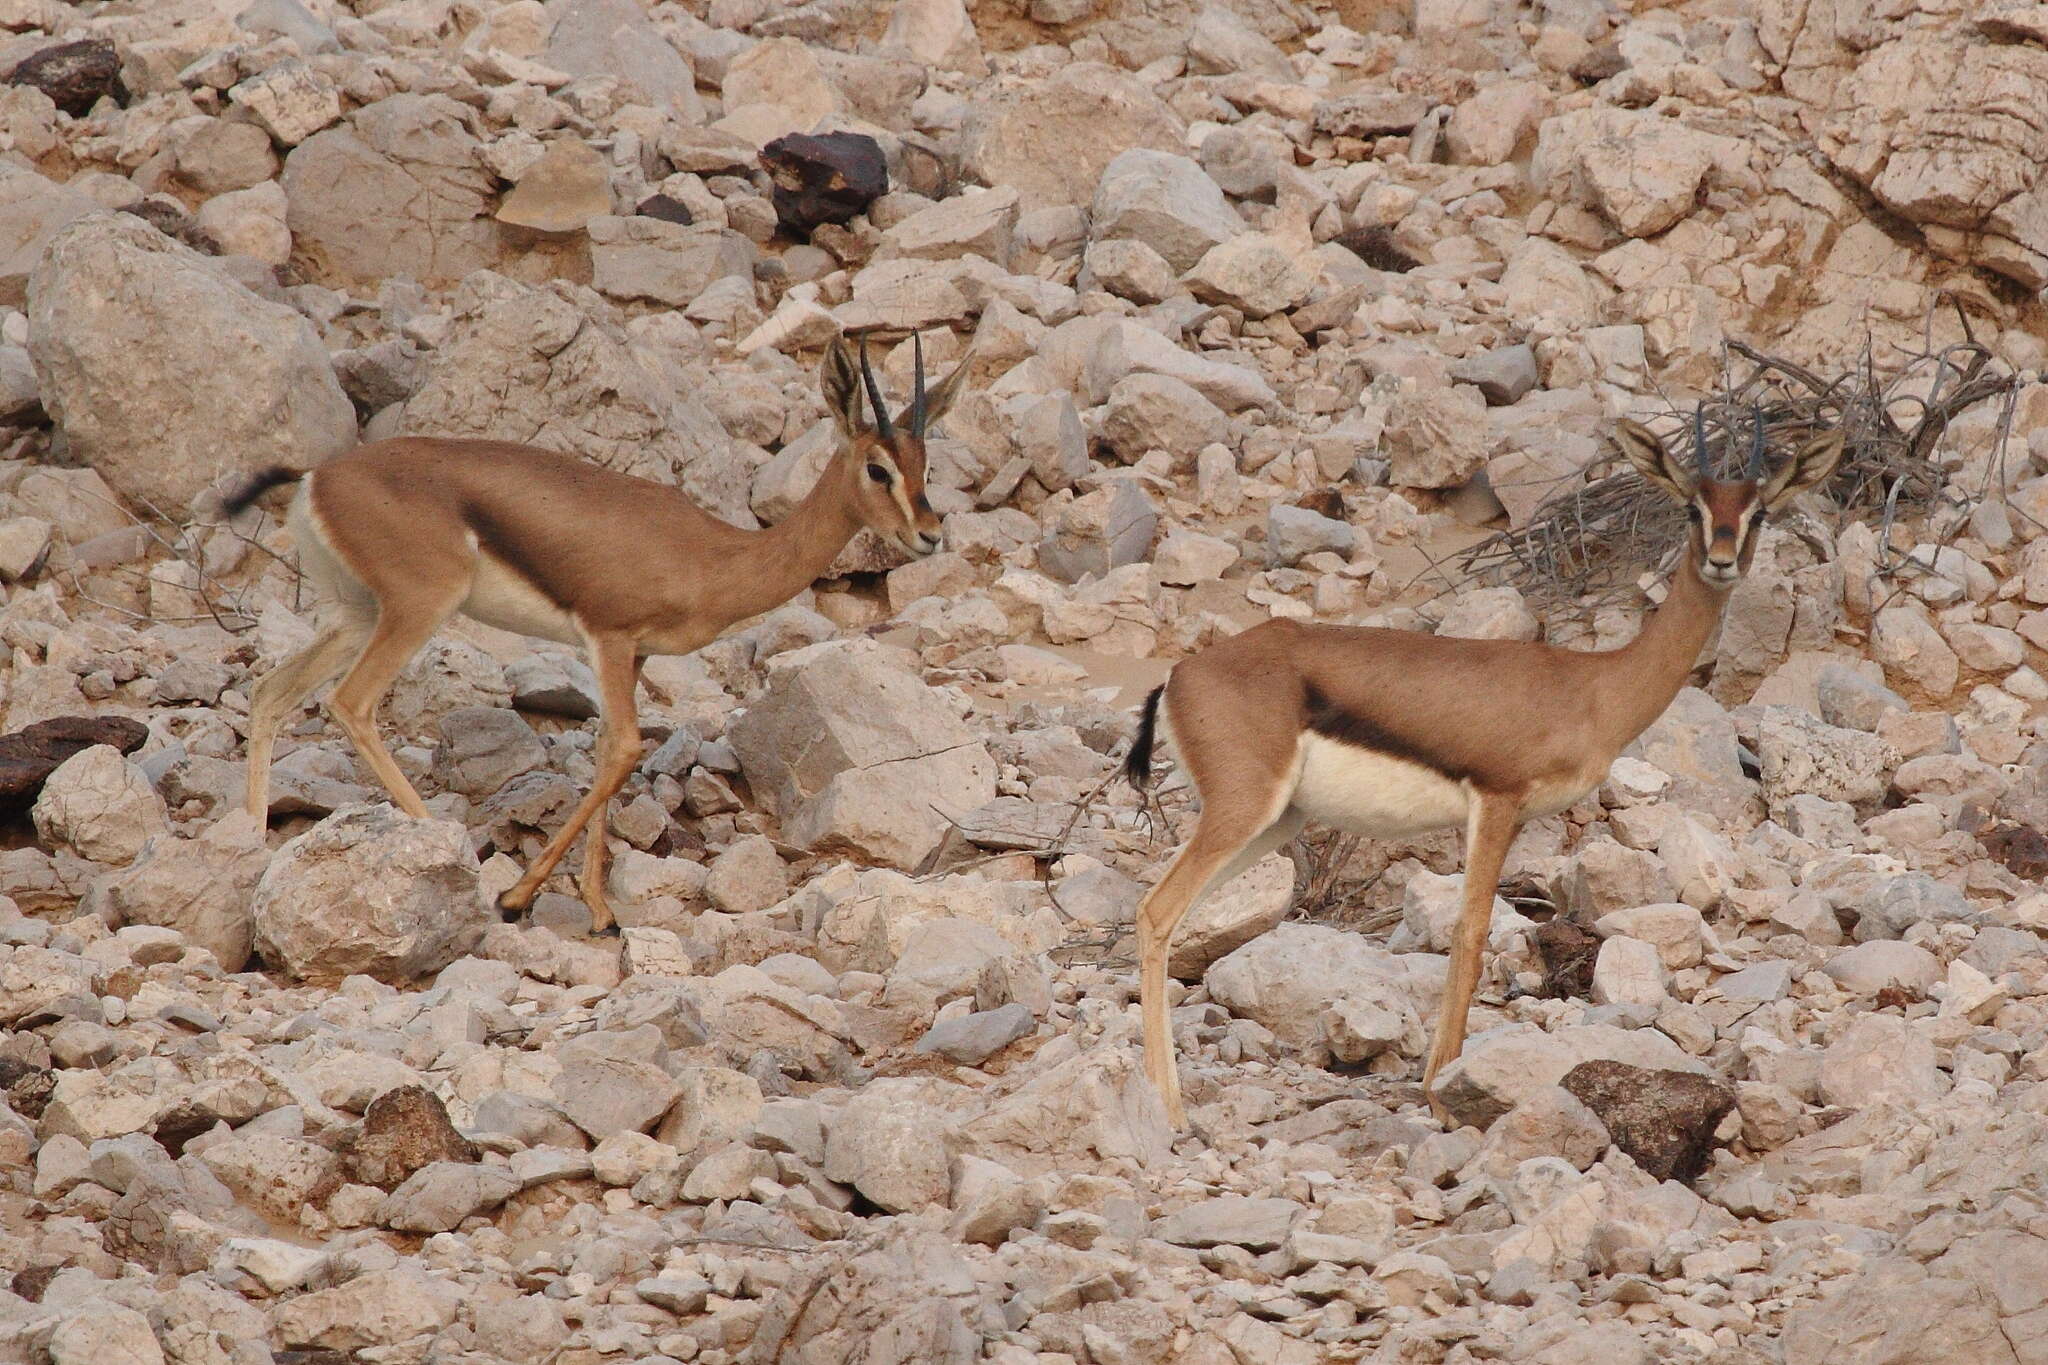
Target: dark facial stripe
(1332, 721)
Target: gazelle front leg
(613, 659)
(1226, 842)
(1490, 829)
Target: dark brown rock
(1377, 248)
(403, 1130)
(74, 75)
(28, 1093)
(1568, 952)
(667, 209)
(31, 1283)
(830, 178)
(1602, 62)
(29, 756)
(2023, 850)
(1665, 1120)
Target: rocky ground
(1270, 305)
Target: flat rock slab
(29, 756)
(1230, 1220)
(1665, 1120)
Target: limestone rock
(1502, 1067)
(1233, 915)
(1157, 412)
(99, 806)
(1052, 139)
(616, 38)
(891, 1147)
(1099, 531)
(646, 258)
(397, 190)
(1435, 437)
(561, 192)
(1287, 977)
(370, 891)
(405, 1130)
(1167, 202)
(111, 288)
(1257, 273)
(1229, 1220)
(852, 751)
(30, 755)
(201, 887)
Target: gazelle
(402, 534)
(1392, 733)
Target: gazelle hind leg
(397, 636)
(1489, 831)
(1230, 838)
(280, 691)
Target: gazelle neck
(784, 559)
(1662, 655)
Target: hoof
(609, 931)
(511, 907)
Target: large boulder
(1167, 202)
(551, 366)
(163, 372)
(398, 189)
(855, 754)
(200, 887)
(370, 891)
(99, 806)
(1053, 139)
(616, 38)
(1293, 977)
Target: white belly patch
(499, 597)
(1374, 794)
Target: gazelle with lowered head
(402, 534)
(1393, 733)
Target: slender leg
(1489, 829)
(591, 883)
(280, 691)
(618, 749)
(400, 631)
(1232, 836)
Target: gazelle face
(1725, 516)
(887, 455)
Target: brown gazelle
(1392, 733)
(401, 534)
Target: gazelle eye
(1692, 513)
(878, 473)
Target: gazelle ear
(1810, 465)
(941, 395)
(1652, 460)
(840, 383)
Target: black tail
(261, 482)
(1138, 762)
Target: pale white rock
(1805, 756)
(617, 38)
(1486, 129)
(1124, 347)
(249, 222)
(1629, 971)
(378, 1308)
(104, 1334)
(200, 886)
(1606, 876)
(1638, 169)
(1293, 533)
(292, 101)
(1233, 915)
(562, 192)
(1099, 531)
(24, 545)
(1674, 929)
(1880, 1058)
(1489, 614)
(1166, 201)
(1258, 273)
(1221, 42)
(749, 875)
(162, 433)
(888, 1144)
(398, 189)
(1229, 1220)
(1435, 436)
(1286, 978)
(1971, 994)
(1157, 412)
(646, 258)
(438, 1196)
(1052, 138)
(1908, 645)
(1130, 269)
(1430, 908)
(100, 806)
(973, 224)
(853, 751)
(369, 890)
(1702, 864)
(1185, 558)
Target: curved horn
(917, 392)
(883, 426)
(1699, 441)
(1756, 443)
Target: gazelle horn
(917, 391)
(883, 426)
(1756, 443)
(1699, 441)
